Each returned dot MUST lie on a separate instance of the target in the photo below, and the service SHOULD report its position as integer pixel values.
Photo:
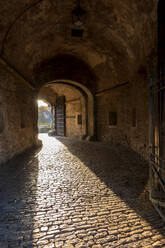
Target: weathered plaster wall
(46, 94)
(73, 109)
(115, 100)
(18, 110)
(75, 105)
(124, 100)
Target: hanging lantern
(78, 15)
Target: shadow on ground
(123, 171)
(17, 199)
(120, 169)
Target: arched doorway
(72, 115)
(68, 71)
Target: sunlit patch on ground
(77, 194)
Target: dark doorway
(60, 116)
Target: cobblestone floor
(77, 194)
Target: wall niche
(112, 118)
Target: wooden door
(60, 116)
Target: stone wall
(130, 102)
(18, 115)
(73, 109)
(112, 60)
(115, 100)
(75, 102)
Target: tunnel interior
(104, 67)
(69, 109)
(91, 63)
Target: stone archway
(68, 70)
(87, 98)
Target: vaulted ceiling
(119, 34)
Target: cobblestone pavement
(77, 194)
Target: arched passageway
(69, 109)
(55, 76)
(80, 191)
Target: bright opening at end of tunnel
(42, 103)
(45, 118)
